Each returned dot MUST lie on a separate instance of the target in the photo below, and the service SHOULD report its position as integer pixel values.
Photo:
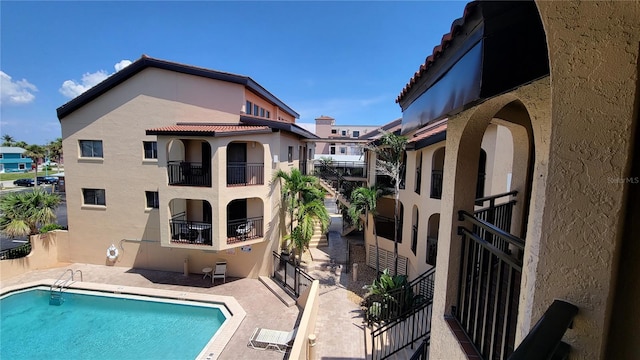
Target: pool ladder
(56, 289)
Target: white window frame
(93, 149)
(153, 150)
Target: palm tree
(35, 152)
(23, 212)
(55, 150)
(390, 156)
(309, 213)
(294, 189)
(364, 202)
(8, 140)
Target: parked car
(23, 182)
(47, 180)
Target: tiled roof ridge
(437, 51)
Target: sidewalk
(339, 326)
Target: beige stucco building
(173, 164)
(562, 78)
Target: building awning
(494, 48)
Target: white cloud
(122, 64)
(15, 92)
(72, 88)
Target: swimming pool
(102, 325)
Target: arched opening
(245, 220)
(245, 163)
(437, 165)
(414, 229)
(189, 162)
(433, 226)
(191, 221)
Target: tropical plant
(21, 213)
(35, 152)
(388, 297)
(294, 187)
(8, 140)
(309, 212)
(51, 227)
(390, 161)
(55, 150)
(364, 202)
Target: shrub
(50, 227)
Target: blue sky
(348, 60)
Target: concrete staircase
(319, 238)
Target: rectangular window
(356, 133)
(268, 115)
(91, 148)
(94, 197)
(150, 149)
(256, 110)
(344, 132)
(22, 166)
(290, 154)
(23, 156)
(248, 107)
(343, 150)
(261, 112)
(334, 131)
(1, 156)
(153, 201)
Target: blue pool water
(101, 327)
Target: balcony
(436, 184)
(240, 230)
(182, 173)
(385, 227)
(190, 232)
(244, 174)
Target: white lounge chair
(220, 272)
(263, 339)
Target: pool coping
(216, 344)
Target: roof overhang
(208, 130)
(279, 125)
(494, 48)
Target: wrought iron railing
(436, 184)
(188, 173)
(414, 238)
(290, 276)
(489, 288)
(402, 301)
(341, 168)
(409, 325)
(190, 232)
(498, 215)
(243, 174)
(422, 352)
(432, 250)
(240, 230)
(16, 252)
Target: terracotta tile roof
(392, 126)
(207, 129)
(430, 130)
(437, 51)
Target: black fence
(386, 226)
(16, 252)
(188, 173)
(290, 276)
(498, 215)
(436, 184)
(243, 174)
(489, 289)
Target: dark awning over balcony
(493, 48)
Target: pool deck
(339, 324)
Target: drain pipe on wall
(136, 241)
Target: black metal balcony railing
(414, 238)
(16, 252)
(188, 173)
(244, 229)
(436, 184)
(489, 288)
(243, 174)
(497, 215)
(385, 227)
(418, 181)
(190, 232)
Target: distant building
(13, 159)
(340, 140)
